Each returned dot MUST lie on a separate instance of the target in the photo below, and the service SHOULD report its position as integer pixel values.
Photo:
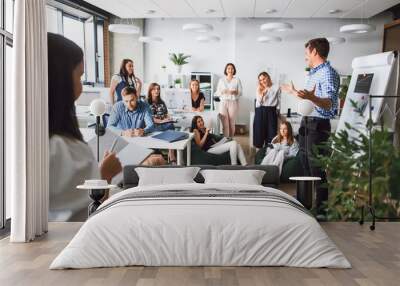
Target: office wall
(238, 44)
(126, 46)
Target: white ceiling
(243, 8)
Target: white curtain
(28, 148)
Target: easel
(370, 205)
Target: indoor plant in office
(347, 167)
(179, 60)
(178, 83)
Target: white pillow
(248, 177)
(166, 176)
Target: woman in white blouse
(266, 112)
(229, 90)
(71, 159)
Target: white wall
(127, 46)
(238, 44)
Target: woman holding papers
(283, 146)
(71, 159)
(209, 143)
(229, 90)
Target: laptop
(171, 136)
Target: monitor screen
(363, 84)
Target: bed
(201, 225)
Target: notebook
(171, 136)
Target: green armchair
(201, 157)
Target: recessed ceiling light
(210, 11)
(335, 11)
(276, 27)
(270, 11)
(197, 27)
(151, 11)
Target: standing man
(322, 89)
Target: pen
(113, 145)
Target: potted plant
(178, 83)
(347, 166)
(179, 60)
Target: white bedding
(203, 231)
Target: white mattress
(192, 231)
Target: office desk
(153, 143)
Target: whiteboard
(177, 98)
(379, 68)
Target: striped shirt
(122, 118)
(270, 98)
(326, 81)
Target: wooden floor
(375, 257)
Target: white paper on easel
(379, 68)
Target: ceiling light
(335, 11)
(270, 11)
(149, 39)
(336, 40)
(197, 27)
(276, 27)
(269, 39)
(357, 28)
(151, 11)
(210, 11)
(207, 39)
(124, 28)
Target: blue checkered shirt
(326, 81)
(123, 119)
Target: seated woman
(284, 146)
(161, 118)
(198, 98)
(207, 142)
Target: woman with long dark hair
(162, 120)
(71, 159)
(125, 77)
(209, 143)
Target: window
(9, 11)
(6, 41)
(86, 30)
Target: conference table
(153, 143)
(143, 145)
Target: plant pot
(178, 69)
(177, 85)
